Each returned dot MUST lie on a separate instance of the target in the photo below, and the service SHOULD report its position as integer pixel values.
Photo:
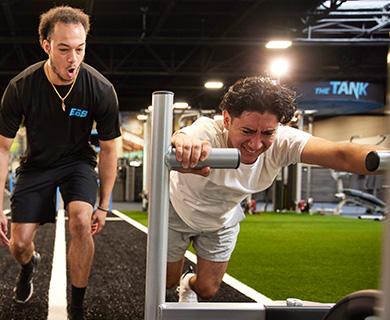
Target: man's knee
(19, 246)
(79, 229)
(79, 224)
(206, 290)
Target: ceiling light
(213, 84)
(135, 163)
(180, 105)
(278, 44)
(279, 67)
(310, 112)
(142, 117)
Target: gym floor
(117, 282)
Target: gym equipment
(378, 160)
(163, 159)
(369, 304)
(374, 206)
(376, 209)
(155, 306)
(293, 302)
(221, 158)
(360, 305)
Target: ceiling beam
(200, 41)
(331, 23)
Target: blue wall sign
(341, 97)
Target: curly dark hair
(260, 94)
(63, 14)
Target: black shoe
(24, 285)
(76, 313)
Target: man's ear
(46, 46)
(227, 119)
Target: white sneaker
(186, 294)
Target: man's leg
(178, 241)
(81, 249)
(208, 277)
(22, 248)
(215, 248)
(174, 271)
(22, 241)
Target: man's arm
(335, 155)
(107, 174)
(5, 145)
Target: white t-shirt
(212, 202)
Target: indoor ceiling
(176, 45)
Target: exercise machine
(156, 308)
(376, 209)
(369, 304)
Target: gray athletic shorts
(216, 246)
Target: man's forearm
(354, 158)
(107, 174)
(338, 156)
(4, 158)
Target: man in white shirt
(205, 203)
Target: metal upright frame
(386, 267)
(155, 305)
(162, 102)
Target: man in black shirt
(58, 101)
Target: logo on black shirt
(74, 112)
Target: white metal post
(162, 116)
(146, 163)
(385, 270)
(385, 303)
(308, 172)
(298, 183)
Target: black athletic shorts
(34, 195)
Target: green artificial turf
(319, 258)
(141, 217)
(311, 257)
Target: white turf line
(234, 283)
(57, 291)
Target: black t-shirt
(55, 137)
